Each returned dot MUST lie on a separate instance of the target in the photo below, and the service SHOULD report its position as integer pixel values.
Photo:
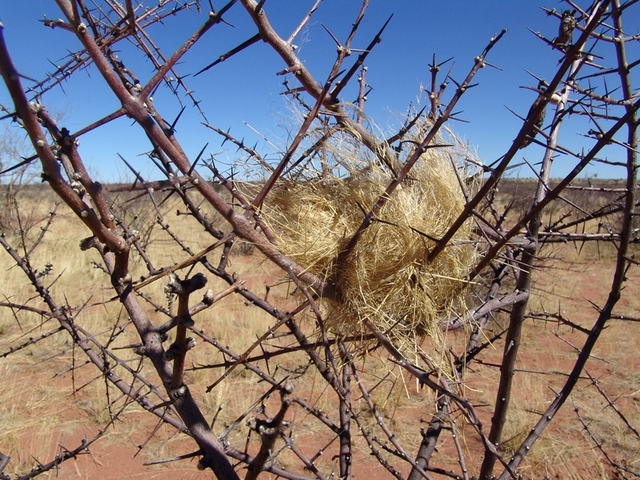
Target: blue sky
(246, 88)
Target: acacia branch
(571, 55)
(415, 156)
(619, 275)
(135, 107)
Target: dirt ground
(49, 402)
(116, 455)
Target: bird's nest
(388, 278)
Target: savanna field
(291, 240)
(51, 398)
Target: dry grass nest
(386, 279)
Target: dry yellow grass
(28, 409)
(29, 427)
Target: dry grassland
(50, 398)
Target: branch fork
(178, 349)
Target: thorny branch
(299, 341)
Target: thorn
(138, 177)
(332, 36)
(171, 130)
(231, 52)
(25, 161)
(197, 158)
(226, 136)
